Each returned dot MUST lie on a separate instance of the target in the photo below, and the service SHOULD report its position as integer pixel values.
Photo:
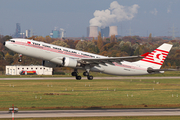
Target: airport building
(25, 70)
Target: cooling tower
(113, 30)
(93, 31)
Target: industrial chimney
(113, 30)
(93, 31)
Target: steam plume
(115, 13)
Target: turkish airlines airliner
(53, 56)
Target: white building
(40, 70)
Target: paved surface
(92, 113)
(85, 78)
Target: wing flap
(105, 60)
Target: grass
(108, 118)
(72, 94)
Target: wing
(105, 60)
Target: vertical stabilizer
(156, 58)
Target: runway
(85, 78)
(92, 113)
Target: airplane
(53, 56)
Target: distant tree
(9, 59)
(121, 44)
(107, 46)
(122, 54)
(40, 38)
(32, 37)
(104, 53)
(81, 45)
(48, 39)
(135, 46)
(113, 38)
(127, 48)
(1, 57)
(70, 43)
(99, 41)
(60, 43)
(107, 40)
(150, 37)
(104, 40)
(75, 43)
(1, 46)
(92, 48)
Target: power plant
(92, 31)
(113, 30)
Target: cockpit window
(12, 40)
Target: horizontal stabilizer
(145, 54)
(150, 70)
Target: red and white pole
(13, 112)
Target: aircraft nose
(4, 43)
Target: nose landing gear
(20, 58)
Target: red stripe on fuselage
(72, 54)
(53, 50)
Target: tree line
(112, 47)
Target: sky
(133, 17)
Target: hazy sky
(142, 16)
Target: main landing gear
(89, 77)
(75, 73)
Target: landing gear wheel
(74, 73)
(86, 73)
(78, 77)
(90, 77)
(19, 60)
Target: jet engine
(69, 62)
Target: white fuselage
(48, 52)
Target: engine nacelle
(49, 64)
(69, 62)
(60, 61)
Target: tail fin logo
(157, 57)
